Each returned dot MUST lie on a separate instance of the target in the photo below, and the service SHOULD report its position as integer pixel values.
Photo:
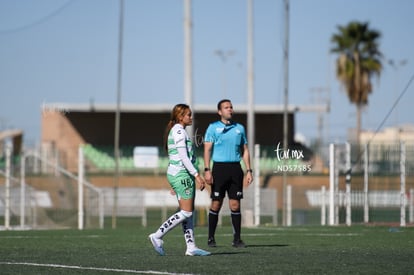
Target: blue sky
(66, 51)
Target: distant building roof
(16, 138)
(10, 133)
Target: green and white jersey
(180, 151)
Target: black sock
(212, 223)
(236, 222)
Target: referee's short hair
(222, 101)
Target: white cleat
(197, 252)
(157, 244)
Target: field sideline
(271, 250)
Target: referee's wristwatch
(249, 171)
(206, 169)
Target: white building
(389, 136)
(385, 147)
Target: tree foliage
(358, 60)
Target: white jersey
(180, 151)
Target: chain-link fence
(38, 193)
(373, 184)
(290, 188)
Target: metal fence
(37, 192)
(377, 187)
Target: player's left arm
(246, 160)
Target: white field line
(280, 233)
(94, 268)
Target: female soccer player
(182, 176)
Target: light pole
(285, 219)
(224, 55)
(188, 59)
(118, 114)
(250, 78)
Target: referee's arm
(208, 146)
(246, 160)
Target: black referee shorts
(227, 178)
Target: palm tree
(358, 61)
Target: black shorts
(227, 177)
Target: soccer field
(270, 250)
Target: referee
(225, 143)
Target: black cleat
(211, 242)
(238, 244)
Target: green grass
(271, 250)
